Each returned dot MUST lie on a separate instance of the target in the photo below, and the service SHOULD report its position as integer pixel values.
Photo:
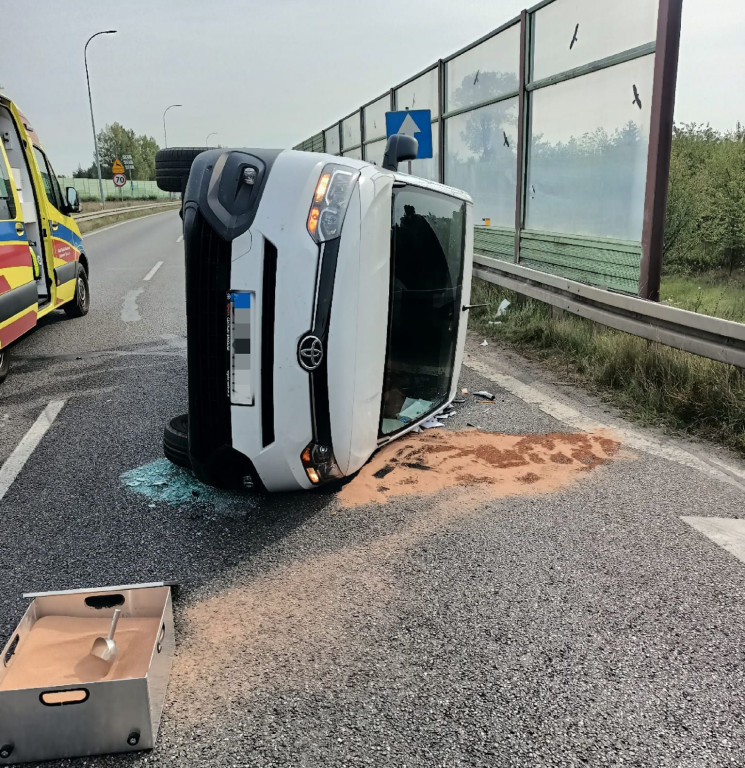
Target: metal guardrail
(712, 337)
(127, 209)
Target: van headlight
(319, 463)
(330, 201)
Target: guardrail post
(660, 141)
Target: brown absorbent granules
(491, 465)
(57, 651)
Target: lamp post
(90, 101)
(207, 140)
(165, 135)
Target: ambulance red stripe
(17, 327)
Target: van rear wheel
(172, 167)
(81, 301)
(4, 364)
(176, 441)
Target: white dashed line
(14, 463)
(149, 275)
(724, 531)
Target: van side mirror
(399, 147)
(73, 201)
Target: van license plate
(241, 324)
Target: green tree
(115, 140)
(723, 203)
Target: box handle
(60, 698)
(11, 650)
(104, 601)
(160, 638)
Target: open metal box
(57, 700)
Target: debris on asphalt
(478, 465)
(431, 423)
(483, 393)
(484, 343)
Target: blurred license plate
(241, 323)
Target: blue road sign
(414, 122)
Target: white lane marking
(14, 463)
(128, 221)
(130, 312)
(151, 273)
(180, 239)
(724, 531)
(631, 437)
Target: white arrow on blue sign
(413, 122)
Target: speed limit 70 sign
(119, 179)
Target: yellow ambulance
(43, 266)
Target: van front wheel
(4, 364)
(81, 301)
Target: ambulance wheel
(176, 441)
(81, 301)
(4, 364)
(172, 167)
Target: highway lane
(126, 312)
(583, 623)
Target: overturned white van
(326, 308)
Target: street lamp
(165, 135)
(207, 140)
(90, 101)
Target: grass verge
(715, 293)
(119, 215)
(652, 383)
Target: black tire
(81, 301)
(176, 441)
(4, 364)
(172, 167)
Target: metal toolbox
(57, 700)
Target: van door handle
(19, 229)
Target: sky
(273, 72)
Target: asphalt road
(582, 625)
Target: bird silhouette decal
(506, 140)
(476, 79)
(637, 100)
(574, 38)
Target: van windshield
(427, 247)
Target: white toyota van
(326, 311)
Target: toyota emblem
(310, 352)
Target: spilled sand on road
(481, 465)
(292, 627)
